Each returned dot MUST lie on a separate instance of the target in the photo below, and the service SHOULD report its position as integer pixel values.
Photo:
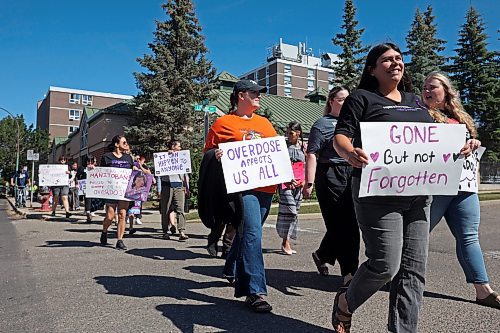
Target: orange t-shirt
(230, 128)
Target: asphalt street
(56, 277)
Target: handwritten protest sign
(82, 184)
(468, 178)
(411, 158)
(108, 183)
(53, 175)
(138, 186)
(255, 163)
(171, 163)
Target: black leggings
(341, 241)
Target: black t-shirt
(364, 105)
(110, 160)
(320, 140)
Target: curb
(17, 210)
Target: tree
(474, 69)
(423, 47)
(177, 76)
(29, 138)
(350, 64)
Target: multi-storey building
(293, 71)
(61, 109)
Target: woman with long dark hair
(116, 158)
(395, 229)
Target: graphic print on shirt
(250, 134)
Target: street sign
(207, 108)
(31, 156)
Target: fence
(490, 172)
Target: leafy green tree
(351, 59)
(29, 138)
(177, 76)
(423, 47)
(474, 69)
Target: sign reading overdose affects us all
(53, 175)
(255, 163)
(411, 158)
(171, 163)
(107, 183)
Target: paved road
(55, 277)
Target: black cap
(249, 85)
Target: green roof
(90, 111)
(226, 76)
(319, 91)
(59, 140)
(283, 109)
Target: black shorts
(60, 190)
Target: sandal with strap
(257, 304)
(336, 322)
(491, 301)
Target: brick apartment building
(293, 71)
(61, 109)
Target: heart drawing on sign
(455, 157)
(374, 156)
(446, 157)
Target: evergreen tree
(423, 47)
(177, 76)
(474, 69)
(351, 59)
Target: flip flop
(490, 301)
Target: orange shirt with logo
(230, 128)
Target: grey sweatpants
(395, 231)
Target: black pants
(341, 241)
(216, 233)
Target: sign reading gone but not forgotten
(411, 158)
(255, 163)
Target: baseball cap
(249, 85)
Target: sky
(94, 44)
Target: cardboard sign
(411, 158)
(138, 186)
(82, 184)
(108, 183)
(53, 175)
(468, 178)
(172, 163)
(256, 163)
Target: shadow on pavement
(166, 254)
(70, 243)
(227, 315)
(431, 294)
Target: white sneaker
(138, 221)
(126, 221)
(92, 214)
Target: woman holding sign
(395, 229)
(461, 211)
(244, 263)
(117, 158)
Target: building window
(310, 85)
(74, 98)
(287, 69)
(72, 129)
(74, 114)
(87, 99)
(287, 80)
(287, 92)
(310, 74)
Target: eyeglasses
(124, 143)
(341, 99)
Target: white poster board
(468, 179)
(53, 175)
(107, 183)
(411, 158)
(171, 163)
(82, 184)
(255, 163)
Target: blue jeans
(462, 215)
(395, 231)
(245, 261)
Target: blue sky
(93, 45)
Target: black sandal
(257, 304)
(491, 301)
(345, 324)
(322, 268)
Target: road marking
(306, 230)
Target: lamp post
(18, 136)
